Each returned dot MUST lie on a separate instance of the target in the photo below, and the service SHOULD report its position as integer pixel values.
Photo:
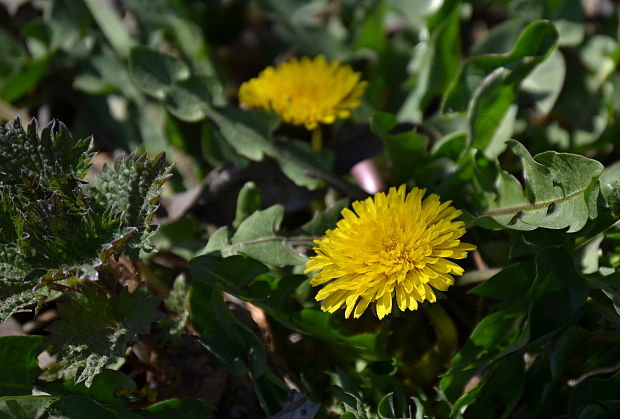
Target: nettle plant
(61, 237)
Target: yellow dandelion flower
(305, 91)
(393, 245)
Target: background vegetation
(510, 109)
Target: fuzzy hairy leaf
(53, 160)
(94, 330)
(131, 189)
(560, 191)
(16, 291)
(52, 227)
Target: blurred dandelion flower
(305, 91)
(392, 246)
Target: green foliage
(19, 368)
(560, 191)
(54, 228)
(94, 330)
(52, 161)
(509, 109)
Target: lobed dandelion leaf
(560, 191)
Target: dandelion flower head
(305, 91)
(393, 246)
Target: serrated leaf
(94, 330)
(560, 191)
(257, 237)
(18, 364)
(15, 297)
(53, 160)
(131, 189)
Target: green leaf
(53, 159)
(450, 146)
(19, 367)
(545, 82)
(154, 72)
(599, 392)
(509, 282)
(105, 388)
(23, 79)
(78, 407)
(232, 274)
(436, 62)
(610, 187)
(218, 241)
(249, 132)
(488, 84)
(560, 191)
(248, 201)
(319, 325)
(299, 174)
(405, 150)
(499, 391)
(489, 106)
(301, 25)
(186, 99)
(539, 299)
(536, 41)
(16, 290)
(257, 237)
(229, 340)
(111, 24)
(322, 221)
(94, 330)
(24, 407)
(390, 407)
(178, 408)
(15, 296)
(131, 189)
